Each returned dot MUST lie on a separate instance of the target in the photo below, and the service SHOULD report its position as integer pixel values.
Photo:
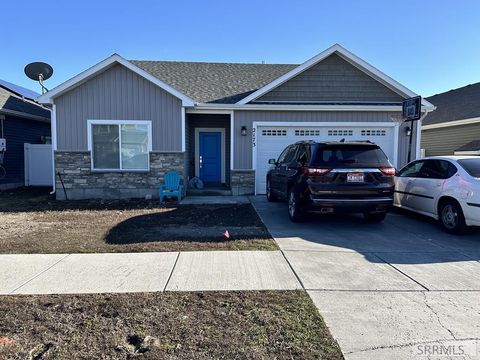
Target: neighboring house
(120, 125)
(454, 127)
(22, 120)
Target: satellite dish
(39, 71)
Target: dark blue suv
(327, 177)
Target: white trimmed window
(120, 144)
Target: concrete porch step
(215, 200)
(209, 192)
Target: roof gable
(101, 67)
(331, 80)
(347, 56)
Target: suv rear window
(350, 156)
(472, 166)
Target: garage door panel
(272, 140)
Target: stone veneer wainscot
(83, 183)
(242, 182)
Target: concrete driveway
(402, 289)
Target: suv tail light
(315, 171)
(389, 171)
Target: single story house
(120, 125)
(22, 121)
(454, 128)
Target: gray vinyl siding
(444, 141)
(243, 144)
(118, 94)
(332, 79)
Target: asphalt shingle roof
(457, 104)
(471, 146)
(10, 100)
(214, 82)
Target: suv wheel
(270, 196)
(375, 216)
(451, 217)
(294, 212)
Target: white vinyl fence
(38, 165)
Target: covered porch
(208, 152)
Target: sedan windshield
(472, 166)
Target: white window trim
(118, 123)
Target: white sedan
(446, 188)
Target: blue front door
(210, 156)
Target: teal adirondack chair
(171, 187)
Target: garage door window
(340, 132)
(274, 132)
(307, 132)
(374, 132)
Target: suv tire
(450, 216)
(270, 196)
(294, 212)
(375, 217)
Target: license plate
(355, 177)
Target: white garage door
(271, 140)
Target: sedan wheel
(451, 217)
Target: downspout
(53, 130)
(419, 134)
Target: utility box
(3, 145)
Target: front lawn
(33, 222)
(212, 325)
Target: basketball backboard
(412, 108)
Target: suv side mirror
(272, 162)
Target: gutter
(452, 123)
(295, 107)
(24, 114)
(53, 130)
(305, 107)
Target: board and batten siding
(118, 94)
(243, 144)
(331, 80)
(444, 141)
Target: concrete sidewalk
(145, 272)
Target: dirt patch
(40, 224)
(247, 325)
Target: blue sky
(429, 46)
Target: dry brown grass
(229, 325)
(32, 222)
